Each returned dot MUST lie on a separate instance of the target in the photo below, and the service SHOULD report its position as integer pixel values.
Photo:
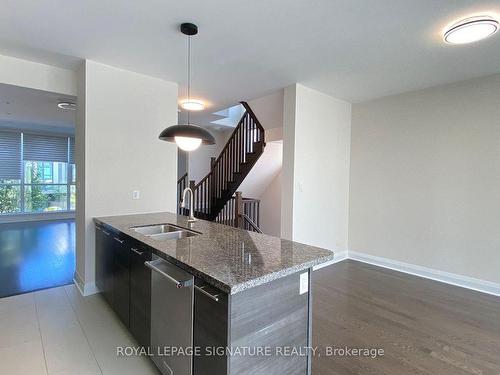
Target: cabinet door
(104, 263)
(121, 279)
(99, 258)
(140, 294)
(210, 329)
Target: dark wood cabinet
(125, 283)
(121, 279)
(124, 280)
(99, 258)
(140, 293)
(104, 263)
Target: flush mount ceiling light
(188, 137)
(193, 105)
(471, 29)
(67, 106)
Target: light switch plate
(304, 282)
(136, 194)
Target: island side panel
(210, 332)
(274, 315)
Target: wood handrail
(251, 200)
(250, 111)
(202, 180)
(182, 178)
(254, 118)
(251, 222)
(241, 213)
(236, 128)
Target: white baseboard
(85, 289)
(338, 257)
(467, 282)
(428, 273)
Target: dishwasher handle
(178, 283)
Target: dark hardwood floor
(36, 255)
(424, 327)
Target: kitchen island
(207, 298)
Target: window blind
(10, 155)
(37, 147)
(72, 150)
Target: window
(37, 173)
(10, 172)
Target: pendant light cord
(189, 75)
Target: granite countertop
(228, 258)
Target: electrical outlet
(136, 194)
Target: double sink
(164, 232)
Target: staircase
(228, 171)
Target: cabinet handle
(136, 251)
(178, 283)
(215, 297)
(120, 241)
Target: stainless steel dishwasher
(172, 296)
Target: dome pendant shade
(187, 131)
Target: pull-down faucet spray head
(191, 218)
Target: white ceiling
(351, 49)
(34, 109)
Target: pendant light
(188, 137)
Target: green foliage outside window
(9, 199)
(36, 199)
(40, 198)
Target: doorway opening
(37, 189)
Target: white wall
(264, 171)
(270, 207)
(121, 115)
(38, 76)
(269, 109)
(288, 168)
(316, 152)
(269, 112)
(425, 178)
(262, 183)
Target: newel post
(238, 210)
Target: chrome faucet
(191, 218)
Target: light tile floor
(57, 331)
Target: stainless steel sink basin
(173, 235)
(149, 230)
(163, 232)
